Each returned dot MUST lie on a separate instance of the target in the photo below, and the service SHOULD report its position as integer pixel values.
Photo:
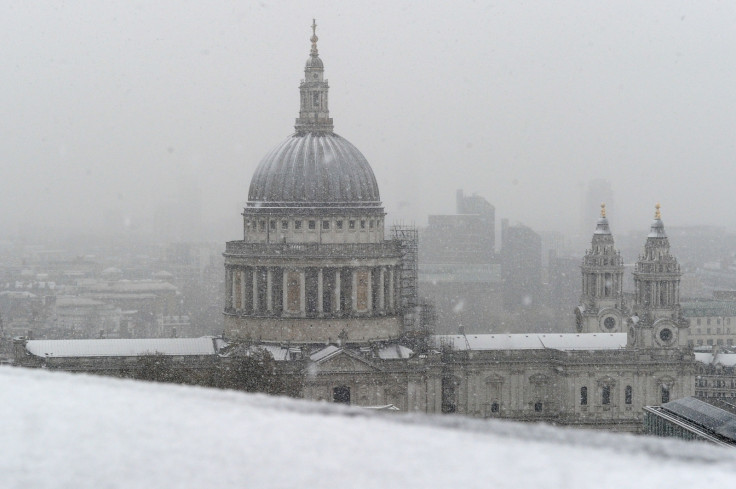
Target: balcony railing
(313, 250)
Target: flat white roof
(121, 347)
(725, 359)
(587, 341)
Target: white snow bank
(64, 430)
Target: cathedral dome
(314, 169)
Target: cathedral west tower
(601, 306)
(313, 265)
(657, 319)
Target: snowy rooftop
(725, 359)
(121, 347)
(117, 433)
(588, 341)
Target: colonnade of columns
(312, 291)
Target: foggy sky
(111, 108)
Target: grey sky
(121, 105)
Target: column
(285, 295)
(302, 293)
(228, 289)
(242, 290)
(354, 289)
(369, 290)
(269, 289)
(255, 290)
(336, 304)
(234, 288)
(391, 290)
(320, 292)
(381, 289)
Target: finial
(603, 209)
(314, 39)
(657, 214)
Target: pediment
(342, 362)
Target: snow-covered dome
(314, 167)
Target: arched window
(583, 396)
(606, 395)
(665, 395)
(494, 407)
(628, 394)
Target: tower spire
(314, 39)
(314, 113)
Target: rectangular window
(370, 224)
(710, 342)
(718, 330)
(698, 321)
(729, 342)
(362, 224)
(262, 226)
(708, 330)
(325, 224)
(719, 342)
(583, 396)
(312, 224)
(709, 324)
(538, 406)
(298, 224)
(665, 395)
(698, 329)
(339, 224)
(494, 407)
(284, 224)
(700, 342)
(352, 224)
(273, 225)
(628, 394)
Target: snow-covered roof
(121, 347)
(75, 301)
(394, 352)
(324, 353)
(587, 341)
(64, 423)
(725, 359)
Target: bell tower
(602, 305)
(657, 319)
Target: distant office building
(521, 265)
(466, 237)
(458, 268)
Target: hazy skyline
(121, 106)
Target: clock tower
(602, 305)
(657, 320)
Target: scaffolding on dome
(408, 238)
